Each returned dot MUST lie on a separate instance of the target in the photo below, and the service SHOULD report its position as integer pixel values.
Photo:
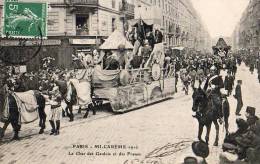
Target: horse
(203, 106)
(14, 113)
(70, 97)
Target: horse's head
(199, 98)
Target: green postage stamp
(24, 20)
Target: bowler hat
(200, 149)
(190, 160)
(239, 81)
(250, 110)
(242, 124)
(228, 146)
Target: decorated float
(221, 48)
(130, 88)
(125, 79)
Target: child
(56, 110)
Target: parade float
(221, 48)
(128, 88)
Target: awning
(83, 41)
(115, 40)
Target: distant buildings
(246, 34)
(179, 21)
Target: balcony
(129, 9)
(83, 2)
(82, 32)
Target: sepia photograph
(129, 81)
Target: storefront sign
(24, 20)
(49, 42)
(83, 41)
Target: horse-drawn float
(128, 83)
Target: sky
(220, 16)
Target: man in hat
(212, 87)
(225, 110)
(238, 96)
(251, 117)
(229, 83)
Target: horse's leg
(94, 107)
(217, 132)
(63, 112)
(42, 116)
(67, 110)
(79, 111)
(87, 112)
(16, 128)
(70, 107)
(4, 128)
(200, 131)
(208, 132)
(226, 126)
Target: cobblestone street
(140, 131)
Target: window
(82, 24)
(113, 4)
(113, 24)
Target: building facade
(78, 25)
(246, 34)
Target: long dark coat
(229, 82)
(238, 96)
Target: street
(134, 137)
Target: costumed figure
(212, 87)
(56, 110)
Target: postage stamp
(24, 20)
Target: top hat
(239, 81)
(250, 110)
(200, 149)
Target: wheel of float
(156, 71)
(156, 92)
